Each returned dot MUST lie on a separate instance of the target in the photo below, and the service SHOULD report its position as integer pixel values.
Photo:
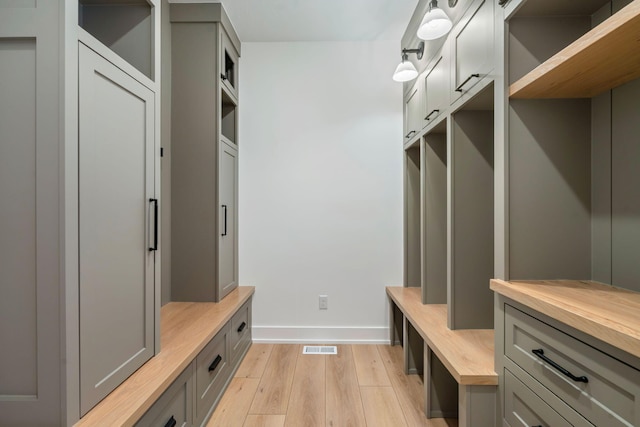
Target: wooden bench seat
(186, 328)
(467, 354)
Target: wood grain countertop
(468, 354)
(185, 329)
(605, 312)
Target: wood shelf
(602, 311)
(604, 58)
(186, 328)
(468, 354)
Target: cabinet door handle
(410, 134)
(171, 423)
(215, 363)
(224, 207)
(223, 76)
(241, 327)
(459, 88)
(502, 2)
(154, 247)
(431, 114)
(540, 353)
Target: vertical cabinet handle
(540, 353)
(224, 207)
(171, 423)
(154, 247)
(459, 88)
(241, 327)
(215, 363)
(223, 76)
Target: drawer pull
(540, 353)
(459, 88)
(410, 134)
(171, 423)
(241, 327)
(431, 114)
(215, 363)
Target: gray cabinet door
(116, 183)
(412, 113)
(228, 240)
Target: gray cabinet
(78, 162)
(412, 113)
(473, 47)
(175, 406)
(204, 209)
(116, 217)
(436, 89)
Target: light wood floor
(364, 385)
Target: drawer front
(610, 397)
(240, 333)
(212, 367)
(522, 407)
(175, 407)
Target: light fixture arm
(419, 51)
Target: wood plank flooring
(361, 386)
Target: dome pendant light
(406, 71)
(435, 23)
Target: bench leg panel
(477, 405)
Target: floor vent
(320, 349)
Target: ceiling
(316, 20)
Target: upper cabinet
(228, 63)
(413, 112)
(473, 47)
(436, 84)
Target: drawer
(522, 407)
(212, 371)
(240, 332)
(610, 395)
(174, 407)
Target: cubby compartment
(228, 121)
(228, 64)
(471, 177)
(124, 26)
(573, 210)
(434, 287)
(413, 215)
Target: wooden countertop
(185, 328)
(468, 354)
(608, 313)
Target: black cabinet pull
(223, 76)
(241, 327)
(410, 134)
(540, 353)
(224, 233)
(215, 363)
(431, 114)
(459, 88)
(155, 225)
(502, 3)
(171, 423)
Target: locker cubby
(471, 212)
(124, 26)
(434, 287)
(413, 215)
(573, 210)
(228, 117)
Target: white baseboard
(319, 335)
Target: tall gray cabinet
(204, 153)
(79, 180)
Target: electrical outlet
(324, 302)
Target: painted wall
(320, 188)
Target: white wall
(320, 188)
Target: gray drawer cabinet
(174, 407)
(523, 408)
(473, 47)
(598, 386)
(240, 333)
(212, 366)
